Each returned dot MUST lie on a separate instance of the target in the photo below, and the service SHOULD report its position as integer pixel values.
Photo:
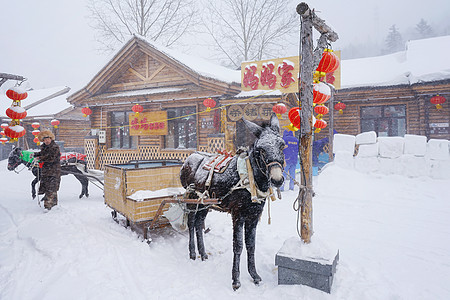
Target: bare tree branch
(165, 21)
(245, 30)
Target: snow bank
(409, 156)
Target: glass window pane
(367, 125)
(398, 127)
(371, 112)
(394, 111)
(383, 127)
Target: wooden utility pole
(309, 60)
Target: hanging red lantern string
(16, 112)
(16, 93)
(319, 124)
(340, 106)
(321, 110)
(55, 123)
(294, 117)
(86, 111)
(438, 101)
(35, 125)
(279, 109)
(321, 93)
(209, 103)
(15, 132)
(329, 62)
(137, 108)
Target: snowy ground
(393, 234)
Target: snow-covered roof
(145, 92)
(199, 65)
(421, 61)
(47, 108)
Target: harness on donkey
(219, 163)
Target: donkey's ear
(274, 123)
(254, 128)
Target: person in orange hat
(51, 168)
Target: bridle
(265, 171)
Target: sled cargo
(126, 186)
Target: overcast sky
(50, 42)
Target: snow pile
(147, 194)
(410, 155)
(391, 232)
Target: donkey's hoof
(204, 257)
(236, 285)
(192, 256)
(81, 196)
(257, 280)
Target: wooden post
(309, 61)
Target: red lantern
(16, 93)
(35, 125)
(294, 117)
(2, 133)
(320, 124)
(36, 140)
(86, 111)
(4, 126)
(279, 109)
(3, 140)
(321, 110)
(340, 106)
(438, 101)
(209, 103)
(55, 123)
(137, 108)
(15, 132)
(329, 62)
(321, 93)
(16, 112)
(35, 132)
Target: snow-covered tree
(424, 30)
(244, 30)
(394, 41)
(164, 21)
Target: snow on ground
(393, 234)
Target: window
(120, 131)
(387, 120)
(182, 128)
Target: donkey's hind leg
(33, 187)
(199, 224)
(191, 227)
(84, 185)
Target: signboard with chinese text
(149, 123)
(279, 74)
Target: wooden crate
(121, 181)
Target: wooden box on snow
(123, 180)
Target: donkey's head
(268, 150)
(14, 158)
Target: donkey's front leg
(238, 223)
(199, 224)
(191, 227)
(33, 187)
(250, 241)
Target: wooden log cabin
(171, 89)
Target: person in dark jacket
(51, 168)
(290, 157)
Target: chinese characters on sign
(280, 73)
(149, 123)
(250, 112)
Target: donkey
(15, 159)
(266, 159)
